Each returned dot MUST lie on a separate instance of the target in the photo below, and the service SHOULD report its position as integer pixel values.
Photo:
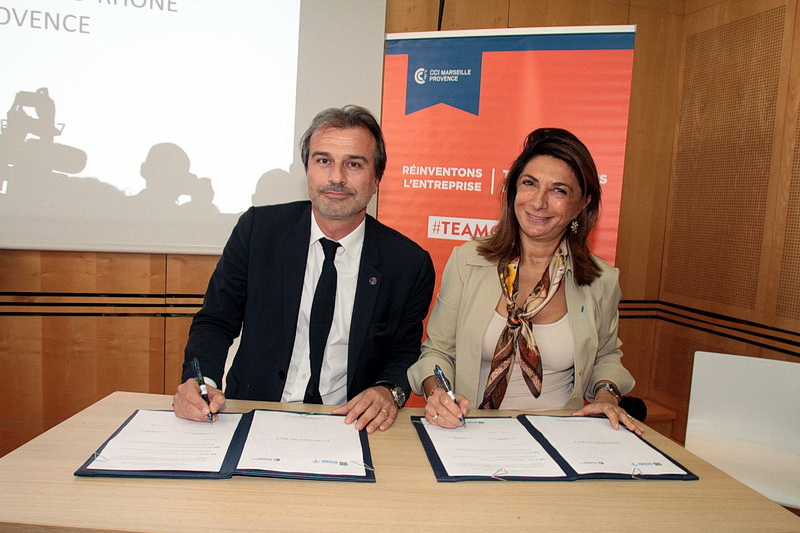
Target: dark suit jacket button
(282, 375)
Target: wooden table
(39, 490)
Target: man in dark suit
(265, 281)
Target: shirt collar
(351, 243)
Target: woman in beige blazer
(560, 344)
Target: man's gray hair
(349, 116)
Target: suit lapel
(295, 255)
(367, 287)
(584, 331)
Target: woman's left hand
(605, 404)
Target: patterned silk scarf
(518, 332)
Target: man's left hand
(372, 409)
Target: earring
(574, 226)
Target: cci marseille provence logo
(446, 71)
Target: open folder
(542, 448)
(259, 443)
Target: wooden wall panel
(423, 15)
(648, 152)
(692, 6)
(189, 274)
(559, 13)
(637, 336)
(81, 272)
(705, 14)
(187, 279)
(672, 7)
(787, 228)
(411, 15)
(176, 334)
(22, 415)
(673, 356)
(85, 358)
(722, 205)
(788, 299)
(57, 365)
(468, 14)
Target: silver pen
(444, 383)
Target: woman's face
(548, 199)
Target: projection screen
(150, 125)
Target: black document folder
(542, 448)
(258, 443)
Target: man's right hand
(187, 402)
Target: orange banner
(449, 149)
(457, 107)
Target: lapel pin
(373, 281)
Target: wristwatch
(397, 393)
(610, 387)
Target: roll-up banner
(458, 105)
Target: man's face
(341, 172)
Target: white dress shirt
(333, 377)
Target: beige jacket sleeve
(465, 303)
(594, 318)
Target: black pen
(445, 384)
(202, 382)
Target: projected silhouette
(34, 167)
(39, 180)
(170, 185)
(27, 140)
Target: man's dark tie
(321, 316)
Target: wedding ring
(435, 417)
(629, 416)
(384, 411)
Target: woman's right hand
(440, 409)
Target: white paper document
(159, 440)
(261, 443)
(591, 445)
(494, 447)
(542, 448)
(300, 442)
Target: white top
(558, 360)
(333, 378)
